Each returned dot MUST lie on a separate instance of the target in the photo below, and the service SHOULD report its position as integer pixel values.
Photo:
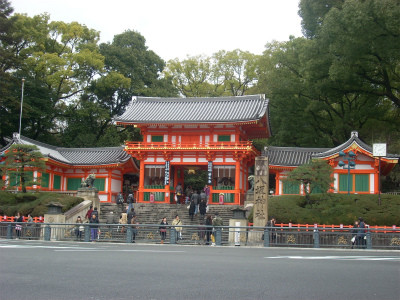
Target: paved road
(56, 270)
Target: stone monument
(261, 189)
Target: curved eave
(104, 165)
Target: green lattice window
(291, 188)
(73, 184)
(57, 182)
(343, 182)
(362, 182)
(99, 184)
(45, 180)
(224, 138)
(157, 138)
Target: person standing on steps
(130, 201)
(192, 208)
(196, 199)
(207, 192)
(203, 208)
(130, 215)
(89, 213)
(178, 193)
(163, 229)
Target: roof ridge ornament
(354, 133)
(16, 137)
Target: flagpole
(22, 101)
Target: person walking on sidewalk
(178, 229)
(163, 229)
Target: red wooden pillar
(237, 182)
(141, 181)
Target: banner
(209, 174)
(166, 174)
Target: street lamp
(351, 164)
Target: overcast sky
(177, 28)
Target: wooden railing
(246, 145)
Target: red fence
(25, 219)
(332, 227)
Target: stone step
(152, 213)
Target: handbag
(18, 227)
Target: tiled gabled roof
(76, 156)
(290, 156)
(353, 139)
(195, 110)
(296, 156)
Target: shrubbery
(33, 203)
(335, 209)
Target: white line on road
(85, 249)
(368, 258)
(121, 250)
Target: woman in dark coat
(192, 208)
(208, 229)
(163, 229)
(203, 207)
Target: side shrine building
(209, 136)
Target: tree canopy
(315, 176)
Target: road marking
(84, 249)
(121, 250)
(361, 258)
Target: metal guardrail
(318, 237)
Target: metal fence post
(369, 240)
(172, 236)
(87, 233)
(266, 237)
(47, 233)
(129, 234)
(218, 236)
(316, 238)
(9, 231)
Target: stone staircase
(152, 213)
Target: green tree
(20, 162)
(225, 73)
(315, 176)
(58, 61)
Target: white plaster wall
(371, 183)
(160, 159)
(173, 138)
(218, 159)
(103, 198)
(189, 159)
(228, 159)
(148, 138)
(207, 138)
(336, 182)
(215, 138)
(149, 159)
(176, 159)
(233, 138)
(115, 185)
(202, 159)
